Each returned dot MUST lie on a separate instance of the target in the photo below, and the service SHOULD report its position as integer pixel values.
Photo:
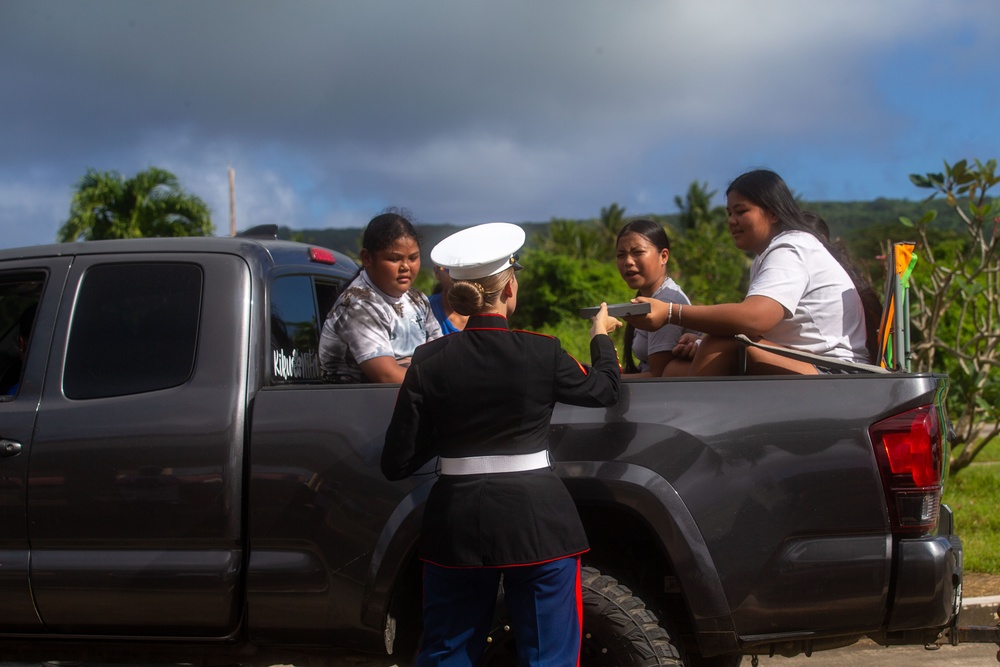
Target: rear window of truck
(298, 306)
(134, 329)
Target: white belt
(480, 465)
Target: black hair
(816, 225)
(766, 189)
(649, 229)
(653, 232)
(386, 228)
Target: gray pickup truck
(177, 484)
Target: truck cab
(124, 425)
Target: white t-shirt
(823, 311)
(365, 323)
(665, 338)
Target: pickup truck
(178, 485)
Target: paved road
(871, 655)
(978, 611)
(975, 612)
(859, 655)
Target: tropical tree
(706, 263)
(611, 221)
(955, 312)
(594, 238)
(107, 205)
(574, 238)
(710, 268)
(557, 285)
(696, 207)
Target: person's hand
(602, 322)
(654, 319)
(686, 346)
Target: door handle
(9, 448)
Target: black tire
(618, 630)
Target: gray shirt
(665, 338)
(365, 323)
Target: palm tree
(581, 240)
(612, 219)
(152, 203)
(696, 207)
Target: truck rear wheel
(618, 630)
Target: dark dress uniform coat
(484, 391)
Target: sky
(465, 111)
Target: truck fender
(653, 498)
(632, 487)
(394, 549)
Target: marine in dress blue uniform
(482, 399)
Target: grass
(991, 454)
(974, 495)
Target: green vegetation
(955, 300)
(990, 454)
(557, 286)
(974, 496)
(107, 205)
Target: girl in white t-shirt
(800, 295)
(642, 252)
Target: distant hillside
(844, 218)
(854, 222)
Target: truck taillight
(910, 450)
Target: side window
(19, 296)
(298, 306)
(134, 329)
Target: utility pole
(232, 201)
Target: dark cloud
(463, 111)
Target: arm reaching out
(602, 322)
(754, 316)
